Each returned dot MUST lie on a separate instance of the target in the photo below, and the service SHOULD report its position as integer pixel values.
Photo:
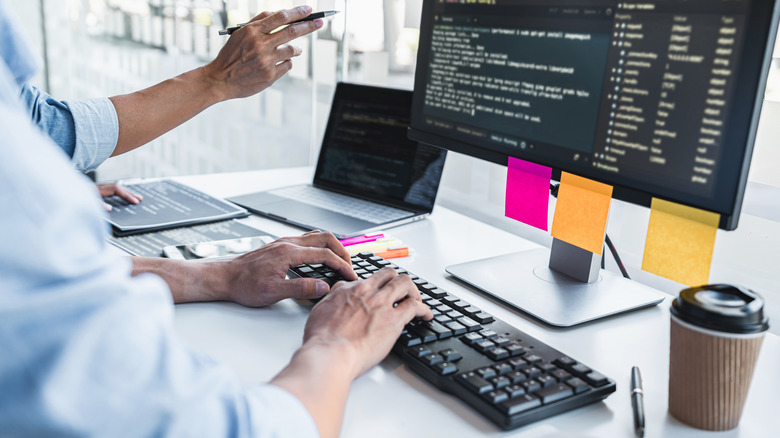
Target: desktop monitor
(657, 98)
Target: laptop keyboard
(347, 205)
(496, 369)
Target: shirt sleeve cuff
(290, 416)
(97, 132)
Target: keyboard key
(432, 359)
(456, 327)
(454, 314)
(443, 320)
(497, 353)
(436, 293)
(488, 334)
(451, 355)
(517, 376)
(514, 349)
(449, 299)
(426, 287)
(596, 379)
(483, 318)
(502, 368)
(496, 397)
(514, 390)
(486, 372)
(460, 305)
(474, 382)
(517, 363)
(531, 385)
(546, 381)
(553, 393)
(532, 372)
(441, 331)
(471, 338)
(446, 368)
(500, 341)
(520, 404)
(420, 351)
(561, 375)
(533, 359)
(484, 345)
(547, 367)
(499, 381)
(578, 385)
(470, 324)
(471, 310)
(580, 369)
(424, 334)
(409, 340)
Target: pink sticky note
(528, 192)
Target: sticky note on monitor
(581, 212)
(680, 241)
(527, 192)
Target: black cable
(616, 256)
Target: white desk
(390, 401)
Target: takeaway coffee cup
(716, 335)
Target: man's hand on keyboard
(258, 279)
(365, 316)
(347, 333)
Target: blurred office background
(108, 47)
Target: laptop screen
(366, 153)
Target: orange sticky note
(680, 241)
(581, 212)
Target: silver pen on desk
(637, 402)
(312, 16)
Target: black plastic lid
(723, 308)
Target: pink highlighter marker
(361, 239)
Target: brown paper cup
(709, 375)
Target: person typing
(86, 334)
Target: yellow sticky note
(680, 241)
(581, 212)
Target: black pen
(637, 402)
(312, 16)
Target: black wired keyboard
(508, 376)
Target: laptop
(369, 175)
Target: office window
(109, 47)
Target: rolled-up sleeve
(86, 130)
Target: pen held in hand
(312, 16)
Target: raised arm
(251, 61)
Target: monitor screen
(659, 98)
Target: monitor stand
(534, 282)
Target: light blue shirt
(87, 130)
(86, 349)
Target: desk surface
(391, 401)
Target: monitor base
(524, 281)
